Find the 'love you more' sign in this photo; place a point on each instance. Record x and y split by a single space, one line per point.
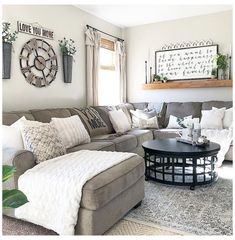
34 30
186 63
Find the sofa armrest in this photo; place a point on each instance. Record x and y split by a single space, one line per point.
21 159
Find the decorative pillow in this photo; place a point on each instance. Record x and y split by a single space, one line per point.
42 139
228 117
144 119
120 121
92 120
123 107
178 122
11 135
148 123
212 119
71 131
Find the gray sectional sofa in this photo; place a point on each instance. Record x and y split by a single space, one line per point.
111 194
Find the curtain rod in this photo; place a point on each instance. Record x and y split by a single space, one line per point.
120 39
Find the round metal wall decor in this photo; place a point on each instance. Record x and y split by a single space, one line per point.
38 62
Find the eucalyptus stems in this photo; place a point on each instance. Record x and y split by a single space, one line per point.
7 35
67 47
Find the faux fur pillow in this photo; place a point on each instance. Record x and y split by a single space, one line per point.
41 139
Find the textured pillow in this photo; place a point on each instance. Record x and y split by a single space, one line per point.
92 120
212 119
177 122
144 119
71 131
228 117
120 121
11 135
42 139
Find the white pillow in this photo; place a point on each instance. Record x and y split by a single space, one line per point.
228 117
143 119
178 122
11 135
71 131
148 123
119 121
212 119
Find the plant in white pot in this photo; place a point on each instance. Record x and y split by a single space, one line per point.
8 38
67 49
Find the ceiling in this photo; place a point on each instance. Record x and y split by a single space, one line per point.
133 15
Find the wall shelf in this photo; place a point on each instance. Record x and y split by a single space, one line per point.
202 83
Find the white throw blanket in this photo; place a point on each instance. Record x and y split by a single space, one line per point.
54 187
223 137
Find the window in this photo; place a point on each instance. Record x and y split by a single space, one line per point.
109 85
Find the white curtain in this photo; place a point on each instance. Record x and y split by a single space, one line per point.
92 66
121 69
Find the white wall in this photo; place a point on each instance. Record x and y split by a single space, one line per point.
143 41
66 21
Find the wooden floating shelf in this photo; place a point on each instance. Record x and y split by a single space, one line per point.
202 83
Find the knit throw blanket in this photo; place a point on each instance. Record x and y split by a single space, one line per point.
54 187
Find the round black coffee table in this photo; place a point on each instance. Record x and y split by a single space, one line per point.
172 162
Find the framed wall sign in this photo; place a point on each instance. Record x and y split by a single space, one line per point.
35 30
186 63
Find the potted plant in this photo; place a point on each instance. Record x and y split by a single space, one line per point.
7 39
222 64
68 50
11 198
213 73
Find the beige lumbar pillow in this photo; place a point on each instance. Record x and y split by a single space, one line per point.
71 131
41 139
119 121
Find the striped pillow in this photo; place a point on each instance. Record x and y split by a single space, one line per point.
71 131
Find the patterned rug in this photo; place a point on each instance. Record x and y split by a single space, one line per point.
205 211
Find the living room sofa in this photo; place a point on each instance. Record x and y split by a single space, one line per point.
123 183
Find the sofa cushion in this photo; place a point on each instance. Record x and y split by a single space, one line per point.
166 133
182 110
101 189
104 113
103 146
123 143
92 120
218 104
45 115
9 118
141 135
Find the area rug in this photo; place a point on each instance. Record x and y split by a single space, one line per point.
205 211
17 227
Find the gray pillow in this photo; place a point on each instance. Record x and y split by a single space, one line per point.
42 139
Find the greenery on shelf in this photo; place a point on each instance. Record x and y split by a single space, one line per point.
7 35
214 72
67 47
161 78
11 198
222 61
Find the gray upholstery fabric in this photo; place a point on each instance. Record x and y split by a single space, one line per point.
142 135
9 118
103 146
182 110
97 222
21 159
218 104
141 105
166 133
107 185
123 143
45 115
104 113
